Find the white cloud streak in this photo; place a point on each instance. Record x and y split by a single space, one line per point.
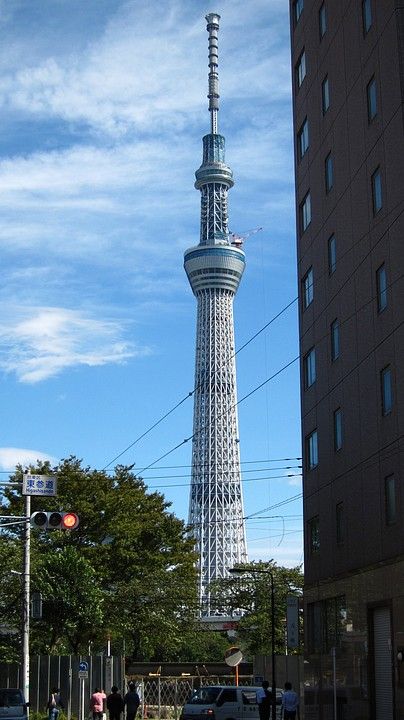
38 343
12 456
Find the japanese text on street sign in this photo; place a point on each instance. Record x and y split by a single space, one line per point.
39 485
292 618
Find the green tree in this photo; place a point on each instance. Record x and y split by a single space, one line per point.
10 598
248 594
127 571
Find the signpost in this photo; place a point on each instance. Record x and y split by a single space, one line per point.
292 621
83 676
233 657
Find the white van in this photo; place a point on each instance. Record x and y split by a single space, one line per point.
225 702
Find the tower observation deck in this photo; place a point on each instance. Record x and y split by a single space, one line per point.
214 268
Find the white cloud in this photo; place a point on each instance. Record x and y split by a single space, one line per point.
38 343
11 456
135 75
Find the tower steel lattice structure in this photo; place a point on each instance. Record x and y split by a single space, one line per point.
214 269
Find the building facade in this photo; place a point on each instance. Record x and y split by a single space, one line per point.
214 268
348 91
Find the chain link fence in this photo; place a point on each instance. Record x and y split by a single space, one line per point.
162 698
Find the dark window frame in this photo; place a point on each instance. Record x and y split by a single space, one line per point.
312 450
377 191
381 288
305 212
329 173
303 139
390 499
337 429
298 7
386 384
367 16
309 368
300 69
325 95
322 20
308 288
332 254
371 98
339 523
335 340
313 527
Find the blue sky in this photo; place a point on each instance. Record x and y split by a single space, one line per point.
103 107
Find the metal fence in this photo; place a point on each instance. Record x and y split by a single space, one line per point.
62 671
161 697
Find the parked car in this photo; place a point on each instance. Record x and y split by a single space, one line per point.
12 704
225 702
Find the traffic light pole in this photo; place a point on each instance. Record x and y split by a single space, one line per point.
26 600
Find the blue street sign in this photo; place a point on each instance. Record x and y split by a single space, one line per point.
83 666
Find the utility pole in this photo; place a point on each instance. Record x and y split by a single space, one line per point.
26 599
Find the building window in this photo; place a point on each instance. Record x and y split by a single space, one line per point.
339 523
329 173
308 288
338 429
332 254
303 139
390 499
312 450
322 21
377 191
326 624
300 69
314 534
309 368
371 95
305 212
366 15
325 94
381 288
335 344
298 6
387 390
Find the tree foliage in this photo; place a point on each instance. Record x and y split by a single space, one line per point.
248 594
128 570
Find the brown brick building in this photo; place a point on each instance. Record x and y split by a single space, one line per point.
348 88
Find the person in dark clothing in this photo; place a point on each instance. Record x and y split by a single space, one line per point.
55 704
264 701
131 702
115 704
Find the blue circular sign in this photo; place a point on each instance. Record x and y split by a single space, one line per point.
83 665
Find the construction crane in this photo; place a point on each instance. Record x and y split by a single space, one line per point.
238 239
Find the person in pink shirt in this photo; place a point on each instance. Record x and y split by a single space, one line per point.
97 703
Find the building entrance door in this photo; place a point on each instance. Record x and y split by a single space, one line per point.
382 664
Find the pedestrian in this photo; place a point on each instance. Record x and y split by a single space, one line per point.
97 703
290 703
55 704
115 704
131 701
264 701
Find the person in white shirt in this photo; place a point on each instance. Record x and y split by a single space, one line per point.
290 703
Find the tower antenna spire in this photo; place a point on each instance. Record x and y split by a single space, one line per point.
213 79
214 269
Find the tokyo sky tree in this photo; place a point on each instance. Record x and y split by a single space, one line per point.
214 269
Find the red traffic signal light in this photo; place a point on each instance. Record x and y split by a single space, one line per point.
70 521
54 520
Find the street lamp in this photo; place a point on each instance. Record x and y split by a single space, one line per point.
252 571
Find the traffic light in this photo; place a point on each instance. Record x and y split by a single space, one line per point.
54 520
36 605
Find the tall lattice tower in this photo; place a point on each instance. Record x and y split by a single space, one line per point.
214 269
